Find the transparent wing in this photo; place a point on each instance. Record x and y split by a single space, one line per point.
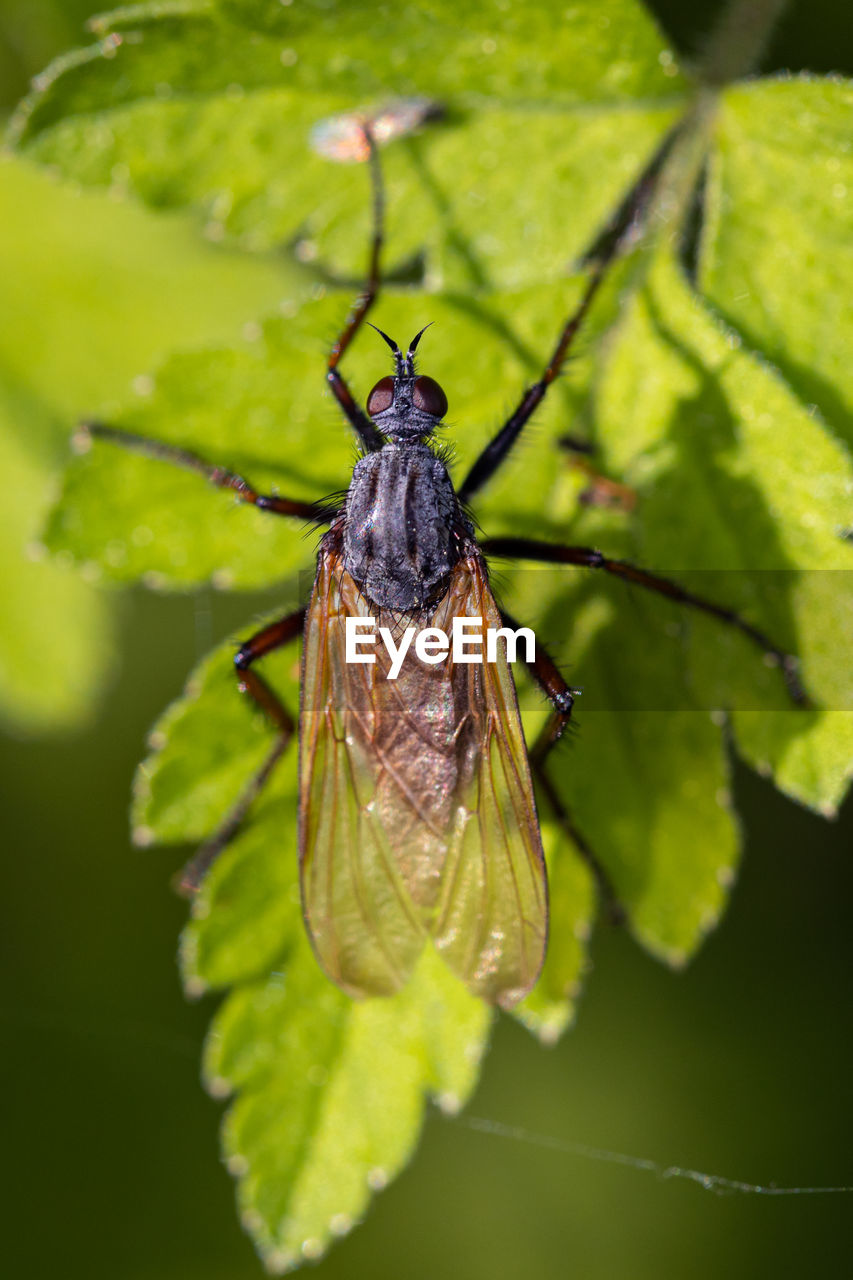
417 815
491 918
360 915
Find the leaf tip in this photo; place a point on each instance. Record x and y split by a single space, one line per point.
676 957
550 1032
341 1224
548 1024
725 876
311 1248
195 986
377 1178
278 1261
217 1086
237 1165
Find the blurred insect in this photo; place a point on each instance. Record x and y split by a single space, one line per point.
417 816
345 137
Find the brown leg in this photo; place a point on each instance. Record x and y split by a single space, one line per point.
219 476
621 232
265 641
589 558
364 428
547 675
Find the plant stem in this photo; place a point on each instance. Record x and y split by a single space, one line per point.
738 40
734 48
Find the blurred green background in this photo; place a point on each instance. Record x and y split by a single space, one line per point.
737 1066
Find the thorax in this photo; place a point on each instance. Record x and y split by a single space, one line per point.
402 526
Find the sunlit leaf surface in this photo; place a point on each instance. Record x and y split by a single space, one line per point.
212 109
331 1092
82 320
788 293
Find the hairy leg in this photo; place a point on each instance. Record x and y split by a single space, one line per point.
219 476
590 558
362 425
562 697
621 232
251 682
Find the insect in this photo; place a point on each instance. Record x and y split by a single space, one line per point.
345 137
417 813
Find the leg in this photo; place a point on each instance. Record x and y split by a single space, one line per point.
270 638
615 910
364 428
219 476
588 557
621 231
497 449
547 675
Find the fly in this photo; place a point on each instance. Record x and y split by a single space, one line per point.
417 815
417 818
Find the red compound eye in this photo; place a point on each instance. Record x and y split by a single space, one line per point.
428 396
381 397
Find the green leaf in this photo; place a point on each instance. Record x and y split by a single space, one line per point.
723 436
644 774
84 318
331 1093
247 914
262 409
206 747
214 111
552 1004
50 668
809 757
670 844
786 286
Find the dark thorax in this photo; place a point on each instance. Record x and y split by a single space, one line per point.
403 526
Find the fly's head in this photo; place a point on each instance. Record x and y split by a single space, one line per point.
406 407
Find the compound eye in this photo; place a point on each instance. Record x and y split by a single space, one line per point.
381 397
428 396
